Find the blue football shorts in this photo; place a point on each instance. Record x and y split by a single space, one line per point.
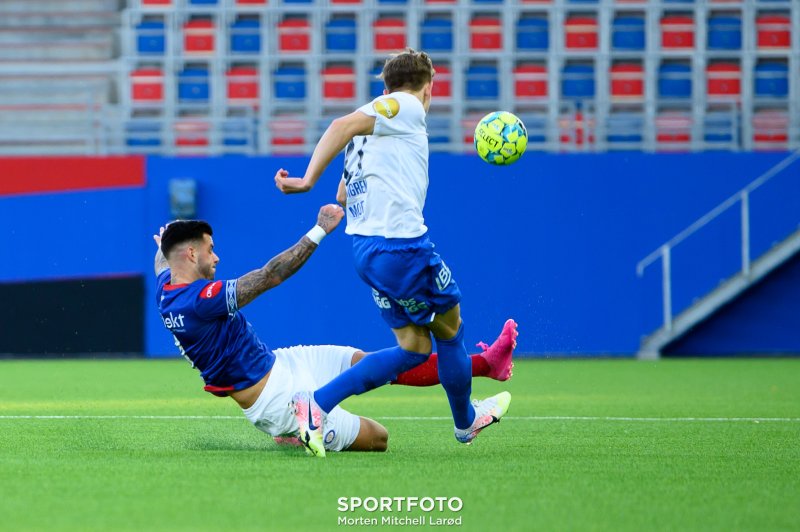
410 282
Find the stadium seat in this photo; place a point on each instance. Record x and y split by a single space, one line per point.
677 32
338 83
290 83
150 37
724 80
675 81
624 131
533 34
575 129
288 133
376 85
346 1
485 33
193 85
238 135
203 2
191 133
242 85
482 82
198 37
773 32
438 129
442 85
530 81
390 34
436 35
156 3
147 85
673 131
251 2
772 79
627 33
719 130
340 35
770 130
577 81
724 33
580 33
627 82
143 135
245 36
294 35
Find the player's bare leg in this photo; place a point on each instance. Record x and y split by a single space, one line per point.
372 436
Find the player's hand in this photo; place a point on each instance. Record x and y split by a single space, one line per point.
290 185
157 237
329 217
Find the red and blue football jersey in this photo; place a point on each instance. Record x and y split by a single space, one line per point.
212 334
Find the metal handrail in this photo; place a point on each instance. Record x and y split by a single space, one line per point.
664 250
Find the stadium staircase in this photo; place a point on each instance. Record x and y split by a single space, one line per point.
751 272
57 75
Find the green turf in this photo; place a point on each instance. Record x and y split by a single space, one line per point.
525 474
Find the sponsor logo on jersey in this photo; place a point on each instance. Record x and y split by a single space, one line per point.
211 290
172 321
387 107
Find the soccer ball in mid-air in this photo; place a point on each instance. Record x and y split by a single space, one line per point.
500 138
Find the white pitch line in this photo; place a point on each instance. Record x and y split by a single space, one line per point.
443 418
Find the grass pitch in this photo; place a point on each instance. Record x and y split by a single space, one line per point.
587 445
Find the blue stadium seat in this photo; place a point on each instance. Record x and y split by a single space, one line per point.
290 83
772 80
237 132
376 86
577 81
203 2
724 33
437 35
246 36
532 34
340 35
675 81
193 86
624 131
150 37
482 82
143 134
628 33
718 127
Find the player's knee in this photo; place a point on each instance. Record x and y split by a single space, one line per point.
380 440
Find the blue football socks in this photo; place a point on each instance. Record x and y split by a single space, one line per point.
455 374
372 371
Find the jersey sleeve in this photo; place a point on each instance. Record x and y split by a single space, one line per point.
395 115
216 299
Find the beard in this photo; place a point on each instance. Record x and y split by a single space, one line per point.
207 271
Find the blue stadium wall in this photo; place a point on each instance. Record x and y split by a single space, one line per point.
552 241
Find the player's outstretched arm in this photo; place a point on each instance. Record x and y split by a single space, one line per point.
161 263
339 133
285 264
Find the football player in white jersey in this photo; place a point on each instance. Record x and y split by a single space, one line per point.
383 188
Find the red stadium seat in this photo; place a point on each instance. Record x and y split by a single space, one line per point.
774 32
243 86
485 33
288 134
251 2
442 83
627 82
294 35
580 33
147 85
390 34
677 31
346 1
198 37
156 3
673 131
770 130
724 80
192 133
530 81
338 83
576 129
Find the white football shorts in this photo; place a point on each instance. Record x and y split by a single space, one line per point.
298 368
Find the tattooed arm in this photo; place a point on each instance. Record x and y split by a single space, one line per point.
285 264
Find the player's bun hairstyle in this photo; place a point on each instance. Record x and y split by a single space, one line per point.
181 231
407 70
